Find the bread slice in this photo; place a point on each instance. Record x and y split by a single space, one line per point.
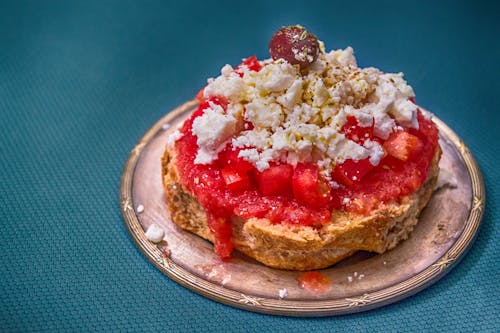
296 247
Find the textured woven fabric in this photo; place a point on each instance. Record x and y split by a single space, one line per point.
81 81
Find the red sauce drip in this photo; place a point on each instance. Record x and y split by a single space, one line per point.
314 282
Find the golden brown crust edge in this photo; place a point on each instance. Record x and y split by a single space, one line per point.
295 247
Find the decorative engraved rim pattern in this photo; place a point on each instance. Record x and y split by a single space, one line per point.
160 258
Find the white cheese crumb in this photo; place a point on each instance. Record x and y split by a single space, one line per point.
292 96
344 57
212 130
165 126
376 151
229 85
349 279
405 113
263 114
276 77
283 293
155 233
139 209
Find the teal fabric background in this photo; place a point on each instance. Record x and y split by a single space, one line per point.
82 81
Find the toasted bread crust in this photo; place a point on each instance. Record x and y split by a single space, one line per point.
297 247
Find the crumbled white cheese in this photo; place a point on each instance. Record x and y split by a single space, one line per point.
298 116
256 138
155 233
263 114
213 129
341 149
320 93
393 99
405 113
139 209
344 57
229 85
401 84
276 77
376 151
292 95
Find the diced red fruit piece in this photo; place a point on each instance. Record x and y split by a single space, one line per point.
351 171
251 63
294 44
353 131
276 180
236 181
230 158
403 145
309 188
314 281
222 230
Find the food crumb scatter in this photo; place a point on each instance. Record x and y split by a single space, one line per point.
155 233
140 209
283 293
